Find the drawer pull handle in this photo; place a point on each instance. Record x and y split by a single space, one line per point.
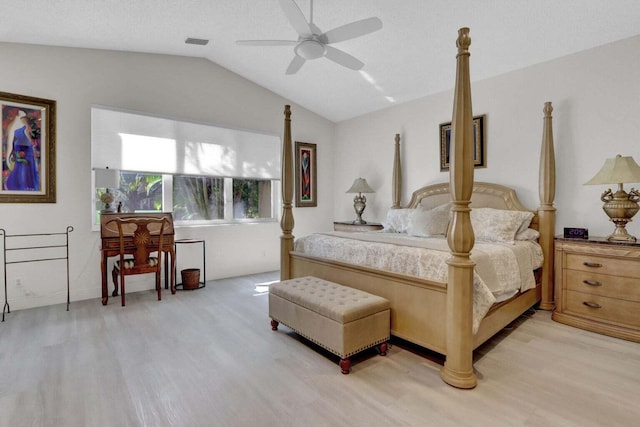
592 264
592 282
592 304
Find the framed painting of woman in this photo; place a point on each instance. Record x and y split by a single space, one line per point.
28 149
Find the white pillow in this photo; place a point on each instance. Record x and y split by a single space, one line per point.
397 220
429 223
528 234
498 225
525 225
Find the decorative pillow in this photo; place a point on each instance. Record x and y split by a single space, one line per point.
397 220
525 225
429 223
497 225
528 234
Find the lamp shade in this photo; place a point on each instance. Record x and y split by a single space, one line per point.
360 186
617 170
107 178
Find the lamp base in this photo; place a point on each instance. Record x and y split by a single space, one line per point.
620 234
359 203
626 239
620 207
108 208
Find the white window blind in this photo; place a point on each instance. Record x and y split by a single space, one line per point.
138 142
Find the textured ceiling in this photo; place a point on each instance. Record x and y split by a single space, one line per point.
411 57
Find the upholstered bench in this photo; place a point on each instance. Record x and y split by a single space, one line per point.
340 319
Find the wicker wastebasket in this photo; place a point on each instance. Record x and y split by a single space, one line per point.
190 278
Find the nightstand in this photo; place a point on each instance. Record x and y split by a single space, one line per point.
598 286
351 227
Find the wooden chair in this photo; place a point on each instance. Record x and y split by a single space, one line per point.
148 236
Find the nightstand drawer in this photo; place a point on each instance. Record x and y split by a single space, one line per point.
603 265
624 288
608 309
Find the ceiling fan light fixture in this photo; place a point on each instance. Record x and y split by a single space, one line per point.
313 43
310 49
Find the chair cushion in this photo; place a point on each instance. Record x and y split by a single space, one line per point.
130 263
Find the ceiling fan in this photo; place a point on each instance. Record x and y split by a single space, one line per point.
312 43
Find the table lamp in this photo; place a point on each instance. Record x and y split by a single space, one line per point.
107 178
360 186
619 206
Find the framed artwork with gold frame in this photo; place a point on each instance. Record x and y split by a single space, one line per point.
28 149
479 152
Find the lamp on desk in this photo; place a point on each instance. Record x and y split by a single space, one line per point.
360 186
107 178
619 206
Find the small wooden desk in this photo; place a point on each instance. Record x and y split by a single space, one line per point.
111 245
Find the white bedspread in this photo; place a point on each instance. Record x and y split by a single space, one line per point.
502 269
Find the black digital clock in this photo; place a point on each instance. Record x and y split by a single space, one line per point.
576 233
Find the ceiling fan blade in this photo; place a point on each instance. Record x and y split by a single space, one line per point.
296 17
266 42
352 30
295 64
343 58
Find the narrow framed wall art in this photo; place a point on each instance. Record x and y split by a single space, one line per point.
306 175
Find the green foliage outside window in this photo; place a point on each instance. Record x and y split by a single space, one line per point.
195 198
140 192
198 198
246 198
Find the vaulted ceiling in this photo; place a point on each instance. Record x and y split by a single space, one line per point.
412 56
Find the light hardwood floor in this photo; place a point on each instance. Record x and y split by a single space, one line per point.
209 358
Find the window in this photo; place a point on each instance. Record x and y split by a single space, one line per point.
198 198
203 174
140 192
251 199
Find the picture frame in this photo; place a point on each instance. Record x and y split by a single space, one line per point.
306 175
479 154
28 144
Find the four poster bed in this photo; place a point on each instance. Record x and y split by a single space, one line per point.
439 314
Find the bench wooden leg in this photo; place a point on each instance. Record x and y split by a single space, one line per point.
274 325
382 349
345 365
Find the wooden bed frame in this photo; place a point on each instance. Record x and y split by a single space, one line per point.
436 315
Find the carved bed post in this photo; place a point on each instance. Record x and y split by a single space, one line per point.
396 188
458 367
286 222
546 211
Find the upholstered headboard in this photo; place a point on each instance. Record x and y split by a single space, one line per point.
485 195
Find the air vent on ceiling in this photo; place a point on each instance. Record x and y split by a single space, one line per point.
200 42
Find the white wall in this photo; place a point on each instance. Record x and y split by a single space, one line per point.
596 100
177 87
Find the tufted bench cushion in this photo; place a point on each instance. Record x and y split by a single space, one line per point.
340 319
